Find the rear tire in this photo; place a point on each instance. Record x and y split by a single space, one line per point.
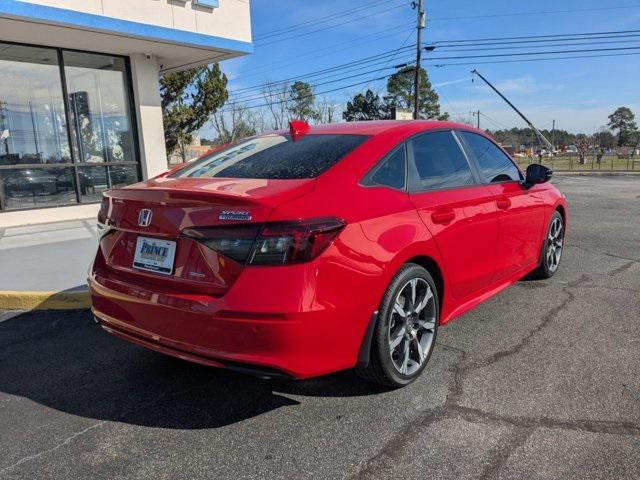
552 248
405 330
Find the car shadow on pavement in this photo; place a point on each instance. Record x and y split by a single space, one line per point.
64 361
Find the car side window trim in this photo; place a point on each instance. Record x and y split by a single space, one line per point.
472 164
368 182
472 158
414 184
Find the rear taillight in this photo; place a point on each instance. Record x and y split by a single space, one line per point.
278 243
104 210
235 241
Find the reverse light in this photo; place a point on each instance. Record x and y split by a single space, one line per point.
277 243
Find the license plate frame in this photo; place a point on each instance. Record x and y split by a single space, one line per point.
154 255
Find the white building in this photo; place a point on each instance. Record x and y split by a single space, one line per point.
79 93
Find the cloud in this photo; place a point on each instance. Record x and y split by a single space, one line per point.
520 85
576 119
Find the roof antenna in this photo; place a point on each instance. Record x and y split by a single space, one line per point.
298 128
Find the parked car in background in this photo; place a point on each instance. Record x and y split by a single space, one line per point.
30 182
322 248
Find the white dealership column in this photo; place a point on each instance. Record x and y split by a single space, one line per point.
145 73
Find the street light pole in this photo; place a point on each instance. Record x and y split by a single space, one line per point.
416 82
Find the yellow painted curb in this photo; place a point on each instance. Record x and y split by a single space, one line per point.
10 300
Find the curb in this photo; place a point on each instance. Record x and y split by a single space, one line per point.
12 300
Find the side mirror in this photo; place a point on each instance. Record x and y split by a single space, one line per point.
537 173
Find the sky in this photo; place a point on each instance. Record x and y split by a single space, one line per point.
578 94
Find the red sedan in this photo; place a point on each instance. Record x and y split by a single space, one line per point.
323 248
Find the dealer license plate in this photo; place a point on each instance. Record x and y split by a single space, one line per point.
154 255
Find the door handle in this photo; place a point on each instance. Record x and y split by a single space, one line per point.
503 203
443 216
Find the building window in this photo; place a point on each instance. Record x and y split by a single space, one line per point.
52 154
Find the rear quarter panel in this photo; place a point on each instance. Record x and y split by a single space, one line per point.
383 232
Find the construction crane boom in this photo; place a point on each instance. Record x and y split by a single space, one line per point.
538 133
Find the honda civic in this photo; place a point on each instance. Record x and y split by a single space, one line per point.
321 248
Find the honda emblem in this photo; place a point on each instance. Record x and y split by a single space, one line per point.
144 217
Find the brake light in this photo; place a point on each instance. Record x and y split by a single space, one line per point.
278 243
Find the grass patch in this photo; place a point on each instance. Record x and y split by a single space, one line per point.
571 164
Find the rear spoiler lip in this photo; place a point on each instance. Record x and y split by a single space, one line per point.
163 195
149 193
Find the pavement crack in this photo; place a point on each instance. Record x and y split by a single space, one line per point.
524 426
608 287
606 254
122 416
526 340
393 448
64 442
458 370
612 427
501 457
622 268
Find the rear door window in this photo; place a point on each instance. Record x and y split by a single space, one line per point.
493 164
391 172
439 162
275 157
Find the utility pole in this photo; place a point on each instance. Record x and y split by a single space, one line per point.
538 133
478 114
553 136
416 82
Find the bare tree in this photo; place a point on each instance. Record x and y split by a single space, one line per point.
326 111
276 97
236 121
582 144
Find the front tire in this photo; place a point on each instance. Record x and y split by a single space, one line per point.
406 329
552 249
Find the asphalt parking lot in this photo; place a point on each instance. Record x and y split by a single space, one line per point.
542 381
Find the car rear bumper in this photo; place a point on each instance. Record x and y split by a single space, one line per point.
117 329
229 332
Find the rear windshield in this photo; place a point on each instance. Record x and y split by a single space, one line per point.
275 157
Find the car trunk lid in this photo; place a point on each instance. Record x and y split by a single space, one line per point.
177 204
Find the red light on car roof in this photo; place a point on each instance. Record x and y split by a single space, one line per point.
298 128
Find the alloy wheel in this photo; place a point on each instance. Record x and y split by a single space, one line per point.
555 241
412 326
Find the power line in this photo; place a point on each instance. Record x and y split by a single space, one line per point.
348 12
316 21
365 39
341 79
433 59
474 63
525 37
517 54
279 102
515 47
495 41
495 122
311 32
522 60
402 45
372 58
444 65
544 12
